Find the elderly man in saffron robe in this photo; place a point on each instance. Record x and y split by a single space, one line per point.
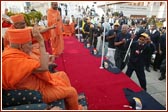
19 23
21 71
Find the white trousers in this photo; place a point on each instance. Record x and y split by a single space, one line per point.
110 55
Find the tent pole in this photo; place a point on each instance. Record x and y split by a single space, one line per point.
101 66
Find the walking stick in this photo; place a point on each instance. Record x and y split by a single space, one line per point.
93 39
129 47
128 50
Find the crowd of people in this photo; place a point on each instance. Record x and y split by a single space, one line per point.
26 58
118 32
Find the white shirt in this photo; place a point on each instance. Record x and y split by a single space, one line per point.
43 23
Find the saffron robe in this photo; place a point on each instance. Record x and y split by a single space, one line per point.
57 43
17 73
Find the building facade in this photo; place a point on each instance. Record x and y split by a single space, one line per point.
148 9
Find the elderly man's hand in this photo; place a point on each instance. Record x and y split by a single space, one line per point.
36 34
53 26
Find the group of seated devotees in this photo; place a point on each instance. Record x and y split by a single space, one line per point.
21 70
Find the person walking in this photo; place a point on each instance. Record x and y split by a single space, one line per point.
139 51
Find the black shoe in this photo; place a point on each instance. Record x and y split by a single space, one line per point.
155 69
147 69
161 78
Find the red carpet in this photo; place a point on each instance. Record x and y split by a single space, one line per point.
103 89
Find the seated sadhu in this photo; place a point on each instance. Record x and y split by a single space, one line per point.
67 28
20 71
19 23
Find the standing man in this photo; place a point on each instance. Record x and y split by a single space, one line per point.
162 51
120 42
155 37
53 17
111 37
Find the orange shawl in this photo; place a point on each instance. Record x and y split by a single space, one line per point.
20 69
17 70
21 65
57 43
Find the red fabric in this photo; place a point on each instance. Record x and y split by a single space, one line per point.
103 89
6 24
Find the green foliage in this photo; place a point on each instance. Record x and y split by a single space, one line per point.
10 14
116 13
35 16
27 19
152 21
30 18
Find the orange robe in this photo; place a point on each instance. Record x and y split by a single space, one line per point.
73 27
35 50
17 73
46 35
57 43
6 37
67 29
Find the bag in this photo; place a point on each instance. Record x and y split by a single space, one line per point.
147 101
110 67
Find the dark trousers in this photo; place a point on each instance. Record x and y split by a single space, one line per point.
148 61
139 69
119 57
93 41
157 61
163 68
85 36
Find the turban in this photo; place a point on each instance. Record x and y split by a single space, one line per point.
19 36
17 18
144 35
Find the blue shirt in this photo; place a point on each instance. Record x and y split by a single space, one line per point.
120 37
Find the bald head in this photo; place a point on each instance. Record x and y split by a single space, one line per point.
54 5
124 28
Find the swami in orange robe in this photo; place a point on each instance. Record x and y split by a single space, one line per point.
19 23
73 26
67 28
53 17
18 71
